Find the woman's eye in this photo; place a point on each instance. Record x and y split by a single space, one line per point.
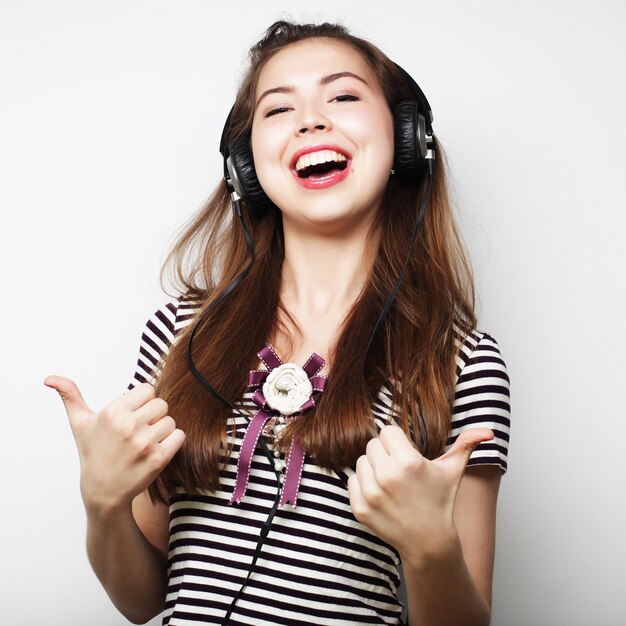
276 111
346 97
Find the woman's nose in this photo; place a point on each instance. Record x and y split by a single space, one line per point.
312 121
308 127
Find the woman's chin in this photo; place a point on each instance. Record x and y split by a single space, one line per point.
327 221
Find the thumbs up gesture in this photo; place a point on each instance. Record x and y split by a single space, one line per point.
406 499
123 448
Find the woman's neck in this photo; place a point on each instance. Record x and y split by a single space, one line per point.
322 273
322 277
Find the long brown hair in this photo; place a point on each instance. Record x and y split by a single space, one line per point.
415 346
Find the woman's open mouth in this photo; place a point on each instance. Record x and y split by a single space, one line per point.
320 168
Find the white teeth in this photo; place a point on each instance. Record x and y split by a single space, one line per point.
321 156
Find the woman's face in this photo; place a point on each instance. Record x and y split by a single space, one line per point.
322 135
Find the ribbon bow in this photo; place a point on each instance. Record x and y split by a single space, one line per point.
295 456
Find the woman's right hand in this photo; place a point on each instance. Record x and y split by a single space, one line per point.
123 448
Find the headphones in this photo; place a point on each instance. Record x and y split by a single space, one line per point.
413 150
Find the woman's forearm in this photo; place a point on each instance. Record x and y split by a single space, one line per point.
441 592
132 571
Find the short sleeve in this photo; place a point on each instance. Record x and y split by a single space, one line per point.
156 339
482 399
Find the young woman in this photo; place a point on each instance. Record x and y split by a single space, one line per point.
322 407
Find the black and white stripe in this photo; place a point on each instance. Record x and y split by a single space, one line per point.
318 565
481 398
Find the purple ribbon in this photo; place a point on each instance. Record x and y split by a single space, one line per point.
295 456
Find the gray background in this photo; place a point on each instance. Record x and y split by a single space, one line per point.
110 115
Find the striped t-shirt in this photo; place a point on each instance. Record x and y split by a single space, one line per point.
317 564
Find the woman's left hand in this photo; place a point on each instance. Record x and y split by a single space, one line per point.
406 499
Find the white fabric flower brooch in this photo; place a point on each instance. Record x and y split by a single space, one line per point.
281 390
287 388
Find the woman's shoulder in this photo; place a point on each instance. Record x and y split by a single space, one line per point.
159 333
187 305
173 315
476 347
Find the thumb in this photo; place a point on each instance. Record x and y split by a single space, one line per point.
458 455
75 406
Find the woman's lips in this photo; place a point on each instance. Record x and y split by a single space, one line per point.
333 177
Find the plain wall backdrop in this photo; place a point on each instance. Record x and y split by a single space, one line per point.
110 117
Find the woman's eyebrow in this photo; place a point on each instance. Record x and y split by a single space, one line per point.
325 80
331 77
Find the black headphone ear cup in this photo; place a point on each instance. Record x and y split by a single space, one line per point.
243 165
408 160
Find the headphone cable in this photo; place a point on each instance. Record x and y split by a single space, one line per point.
205 383
418 222
227 291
